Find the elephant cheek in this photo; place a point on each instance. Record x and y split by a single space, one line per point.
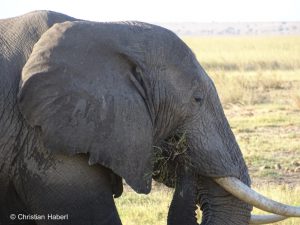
215 154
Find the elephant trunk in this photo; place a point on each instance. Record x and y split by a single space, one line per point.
183 205
219 207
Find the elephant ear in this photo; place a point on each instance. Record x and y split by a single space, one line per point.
81 88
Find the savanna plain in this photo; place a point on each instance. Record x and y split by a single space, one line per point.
258 81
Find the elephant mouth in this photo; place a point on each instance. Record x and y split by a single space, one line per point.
241 191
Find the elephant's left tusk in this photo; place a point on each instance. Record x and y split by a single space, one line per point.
238 189
265 219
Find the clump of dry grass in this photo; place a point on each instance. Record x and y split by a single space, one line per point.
168 156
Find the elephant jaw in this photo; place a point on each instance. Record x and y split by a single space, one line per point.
238 189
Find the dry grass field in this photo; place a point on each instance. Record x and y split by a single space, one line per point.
258 81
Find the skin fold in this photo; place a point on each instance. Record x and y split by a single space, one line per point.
84 107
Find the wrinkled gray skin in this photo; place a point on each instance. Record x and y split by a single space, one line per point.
96 94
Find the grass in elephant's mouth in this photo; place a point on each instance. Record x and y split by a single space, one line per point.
168 155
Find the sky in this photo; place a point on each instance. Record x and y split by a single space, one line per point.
162 10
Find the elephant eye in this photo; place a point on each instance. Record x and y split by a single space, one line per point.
198 100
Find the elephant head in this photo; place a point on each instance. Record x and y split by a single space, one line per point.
115 90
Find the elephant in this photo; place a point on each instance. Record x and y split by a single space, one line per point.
82 105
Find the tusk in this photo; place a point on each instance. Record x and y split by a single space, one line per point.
265 219
246 194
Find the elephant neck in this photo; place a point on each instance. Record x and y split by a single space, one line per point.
12 125
18 36
13 133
